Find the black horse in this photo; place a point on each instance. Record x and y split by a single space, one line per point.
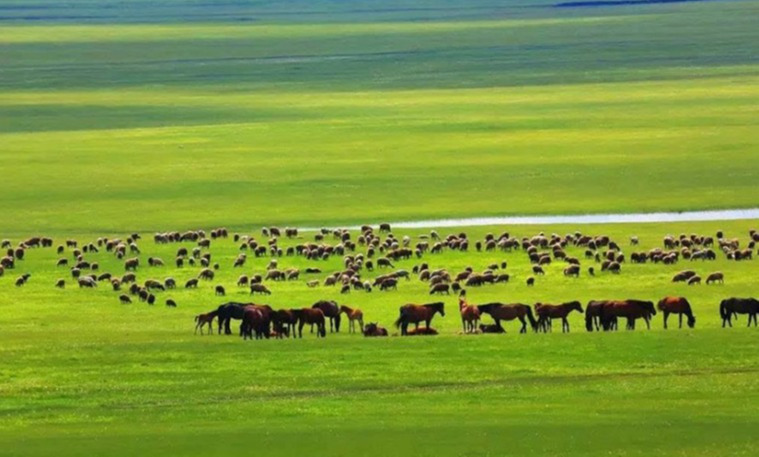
730 306
227 312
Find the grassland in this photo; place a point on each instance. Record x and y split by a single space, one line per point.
147 116
84 374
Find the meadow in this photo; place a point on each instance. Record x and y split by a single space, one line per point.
85 374
118 117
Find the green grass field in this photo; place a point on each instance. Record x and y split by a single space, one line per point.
142 116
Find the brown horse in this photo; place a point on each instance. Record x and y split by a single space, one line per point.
502 312
202 320
331 311
284 321
547 313
414 314
373 329
353 316
254 320
629 309
679 306
311 316
730 306
470 315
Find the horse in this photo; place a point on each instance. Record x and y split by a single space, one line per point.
284 321
414 314
733 305
311 316
373 329
503 312
679 306
331 311
353 316
202 320
629 309
593 315
470 315
546 313
254 320
228 311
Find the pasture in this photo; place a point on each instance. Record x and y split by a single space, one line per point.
120 117
83 373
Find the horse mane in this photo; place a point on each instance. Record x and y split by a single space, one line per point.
438 304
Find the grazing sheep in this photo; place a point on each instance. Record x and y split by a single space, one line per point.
60 284
171 303
260 289
694 280
715 277
87 282
313 283
538 270
191 284
530 281
124 299
219 291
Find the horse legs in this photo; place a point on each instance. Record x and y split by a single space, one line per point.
681 320
564 324
666 315
648 322
361 324
301 324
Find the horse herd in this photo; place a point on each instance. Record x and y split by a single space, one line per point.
262 321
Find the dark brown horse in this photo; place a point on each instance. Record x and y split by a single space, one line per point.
311 316
331 311
679 306
593 315
547 313
253 320
414 314
503 312
629 309
373 329
730 306
284 321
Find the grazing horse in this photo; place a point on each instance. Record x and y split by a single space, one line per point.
470 315
546 313
353 316
284 321
679 306
202 320
502 312
414 314
331 311
227 312
730 306
254 320
629 309
373 329
311 316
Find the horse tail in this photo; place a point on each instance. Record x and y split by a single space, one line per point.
723 311
531 318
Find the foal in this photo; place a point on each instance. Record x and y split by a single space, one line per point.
353 316
205 319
